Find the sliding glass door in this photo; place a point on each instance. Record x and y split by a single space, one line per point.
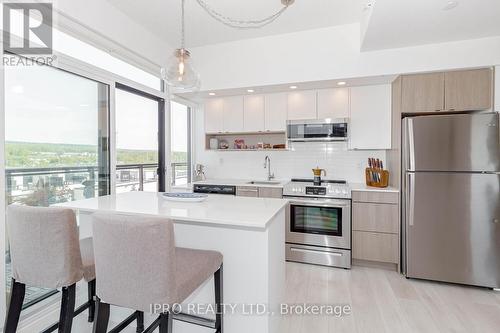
139 141
56 141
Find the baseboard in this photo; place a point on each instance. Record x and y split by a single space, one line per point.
375 264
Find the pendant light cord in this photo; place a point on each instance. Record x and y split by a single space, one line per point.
183 31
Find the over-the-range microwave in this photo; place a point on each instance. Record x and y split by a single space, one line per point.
317 130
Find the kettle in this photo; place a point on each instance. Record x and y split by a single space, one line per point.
317 175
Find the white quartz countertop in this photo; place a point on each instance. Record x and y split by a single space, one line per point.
365 188
223 210
276 183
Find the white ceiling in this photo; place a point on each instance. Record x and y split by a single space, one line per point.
400 23
162 17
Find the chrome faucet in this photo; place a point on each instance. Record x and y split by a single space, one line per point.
267 165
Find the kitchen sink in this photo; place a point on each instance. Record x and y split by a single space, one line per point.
264 182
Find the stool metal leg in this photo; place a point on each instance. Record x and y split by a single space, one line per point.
140 322
15 306
166 322
218 300
91 300
102 319
67 309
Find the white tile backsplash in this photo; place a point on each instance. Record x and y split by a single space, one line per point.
335 158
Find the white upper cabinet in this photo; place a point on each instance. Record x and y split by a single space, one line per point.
214 109
233 114
276 112
497 88
370 117
302 105
333 103
253 114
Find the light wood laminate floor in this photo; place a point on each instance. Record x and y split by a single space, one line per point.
381 301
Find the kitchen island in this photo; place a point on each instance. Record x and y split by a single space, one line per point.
249 232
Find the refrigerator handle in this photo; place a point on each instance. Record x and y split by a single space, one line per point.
411 146
410 198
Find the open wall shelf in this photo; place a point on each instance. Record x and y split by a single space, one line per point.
251 141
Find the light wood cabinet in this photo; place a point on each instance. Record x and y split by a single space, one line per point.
247 191
374 246
375 217
253 113
270 192
497 88
302 105
333 103
275 112
233 114
423 93
468 90
214 109
375 226
370 117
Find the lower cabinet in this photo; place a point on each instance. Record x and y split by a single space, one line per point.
259 192
375 226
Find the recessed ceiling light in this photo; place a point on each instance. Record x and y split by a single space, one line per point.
211 94
450 5
293 87
250 90
341 83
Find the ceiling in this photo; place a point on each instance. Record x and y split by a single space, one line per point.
401 23
162 17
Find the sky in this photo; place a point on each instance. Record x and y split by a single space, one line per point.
52 106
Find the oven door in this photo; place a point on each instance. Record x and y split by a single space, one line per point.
319 222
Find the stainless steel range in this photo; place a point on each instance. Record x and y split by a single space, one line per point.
318 222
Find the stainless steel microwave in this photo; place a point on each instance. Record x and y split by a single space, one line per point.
317 130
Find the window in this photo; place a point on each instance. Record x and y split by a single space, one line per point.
180 140
56 140
137 142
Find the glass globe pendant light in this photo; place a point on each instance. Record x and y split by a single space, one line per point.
180 74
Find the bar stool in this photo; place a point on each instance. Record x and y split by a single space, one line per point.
46 252
139 266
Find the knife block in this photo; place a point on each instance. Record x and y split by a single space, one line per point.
383 175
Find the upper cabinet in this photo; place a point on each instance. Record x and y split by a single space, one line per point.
497 88
451 91
275 112
468 90
233 114
423 93
253 113
302 105
333 103
370 117
214 114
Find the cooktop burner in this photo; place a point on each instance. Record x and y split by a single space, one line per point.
326 181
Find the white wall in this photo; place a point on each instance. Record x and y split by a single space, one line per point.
325 54
339 162
101 16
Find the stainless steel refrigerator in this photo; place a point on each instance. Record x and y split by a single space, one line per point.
451 200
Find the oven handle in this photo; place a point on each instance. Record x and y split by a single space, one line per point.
319 203
297 249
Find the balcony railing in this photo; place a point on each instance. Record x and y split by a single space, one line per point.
47 186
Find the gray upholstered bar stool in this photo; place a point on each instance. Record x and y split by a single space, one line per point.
139 266
46 252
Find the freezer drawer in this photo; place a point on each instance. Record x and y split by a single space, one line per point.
452 225
459 142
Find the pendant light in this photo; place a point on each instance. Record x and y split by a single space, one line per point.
180 74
